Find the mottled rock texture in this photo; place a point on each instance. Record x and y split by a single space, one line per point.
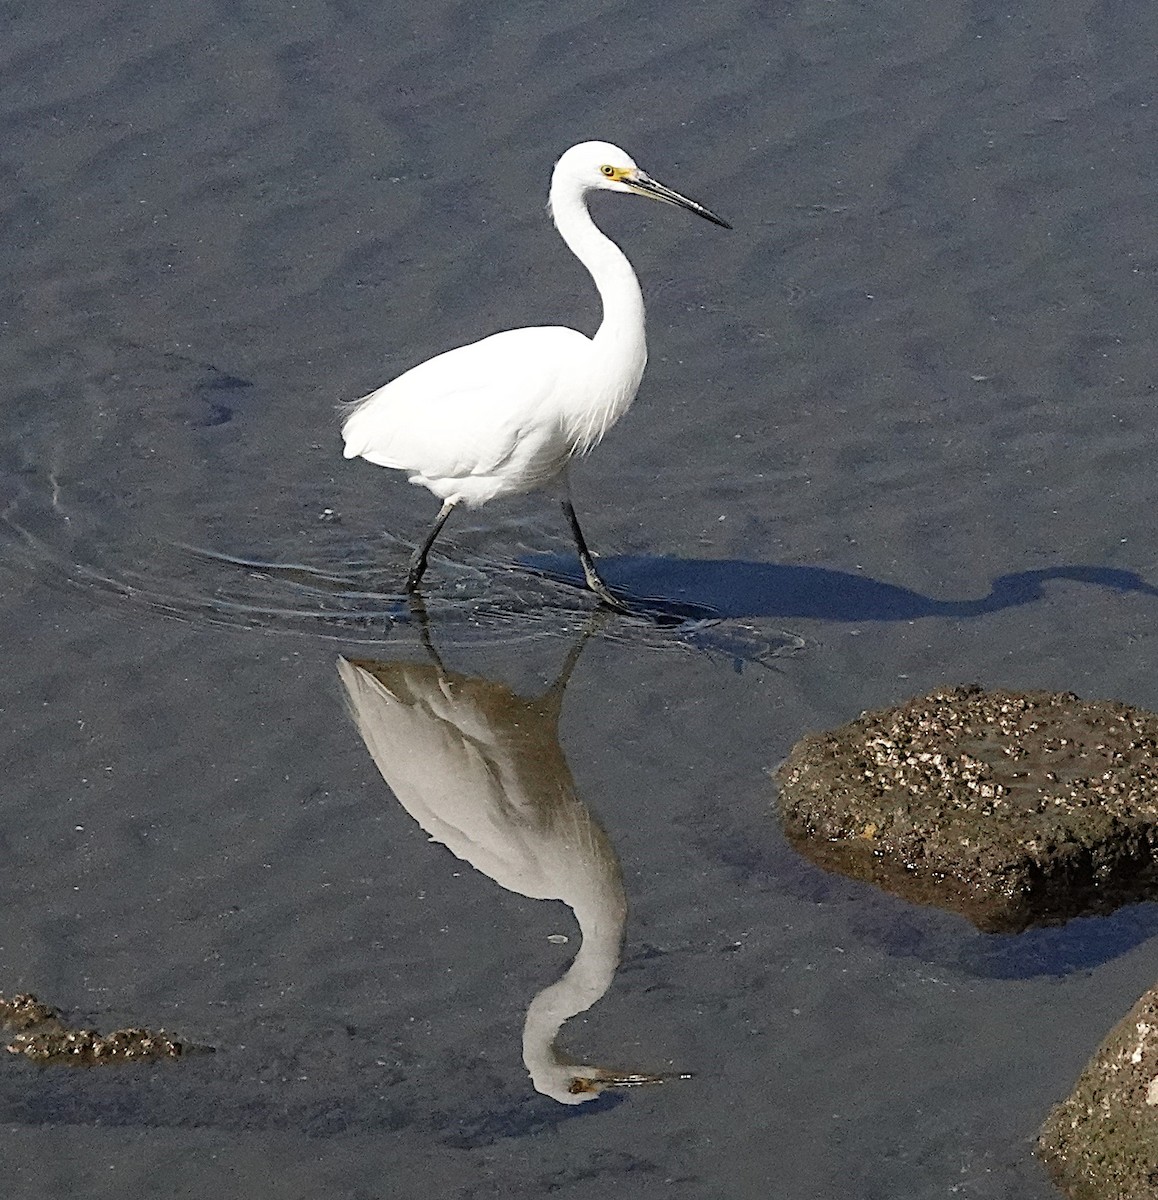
1101 1142
1013 808
50 1040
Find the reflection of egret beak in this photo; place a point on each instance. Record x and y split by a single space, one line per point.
600 1080
626 1081
644 185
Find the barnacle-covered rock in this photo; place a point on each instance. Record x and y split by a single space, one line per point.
1013 808
1102 1140
49 1039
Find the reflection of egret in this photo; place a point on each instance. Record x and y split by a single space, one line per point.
481 770
505 415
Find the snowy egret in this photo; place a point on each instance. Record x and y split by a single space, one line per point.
505 415
481 770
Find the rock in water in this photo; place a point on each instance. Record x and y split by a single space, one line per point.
1101 1142
1013 808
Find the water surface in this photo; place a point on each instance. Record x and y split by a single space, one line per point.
897 429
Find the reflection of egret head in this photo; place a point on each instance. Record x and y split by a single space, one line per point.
481 770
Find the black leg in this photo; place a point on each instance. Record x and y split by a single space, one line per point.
418 559
590 574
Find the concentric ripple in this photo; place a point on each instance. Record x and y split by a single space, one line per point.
147 479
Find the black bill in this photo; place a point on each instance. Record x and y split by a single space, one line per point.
646 186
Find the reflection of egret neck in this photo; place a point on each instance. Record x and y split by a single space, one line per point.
586 980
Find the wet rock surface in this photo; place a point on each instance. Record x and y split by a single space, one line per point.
1013 808
46 1038
1102 1140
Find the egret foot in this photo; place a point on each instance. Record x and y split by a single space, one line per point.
417 567
605 594
589 572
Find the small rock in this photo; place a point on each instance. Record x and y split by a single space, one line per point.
54 1041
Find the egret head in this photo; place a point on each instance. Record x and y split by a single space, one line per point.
592 166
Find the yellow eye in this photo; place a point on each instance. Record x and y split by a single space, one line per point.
608 170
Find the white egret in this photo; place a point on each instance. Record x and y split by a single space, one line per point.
506 414
481 770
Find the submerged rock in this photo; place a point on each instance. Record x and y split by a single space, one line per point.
1102 1140
54 1041
1013 808
88 1046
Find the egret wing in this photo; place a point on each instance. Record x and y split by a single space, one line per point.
465 412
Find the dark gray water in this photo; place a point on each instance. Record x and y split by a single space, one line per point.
898 428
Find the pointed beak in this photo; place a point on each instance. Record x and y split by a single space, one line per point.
646 186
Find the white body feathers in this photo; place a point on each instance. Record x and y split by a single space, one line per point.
504 415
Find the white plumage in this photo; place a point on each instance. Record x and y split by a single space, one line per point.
506 414
495 440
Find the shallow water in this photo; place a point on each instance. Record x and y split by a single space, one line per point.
897 430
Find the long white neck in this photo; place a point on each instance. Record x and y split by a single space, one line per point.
623 324
619 350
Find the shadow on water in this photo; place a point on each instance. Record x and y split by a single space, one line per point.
1080 945
721 607
735 589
